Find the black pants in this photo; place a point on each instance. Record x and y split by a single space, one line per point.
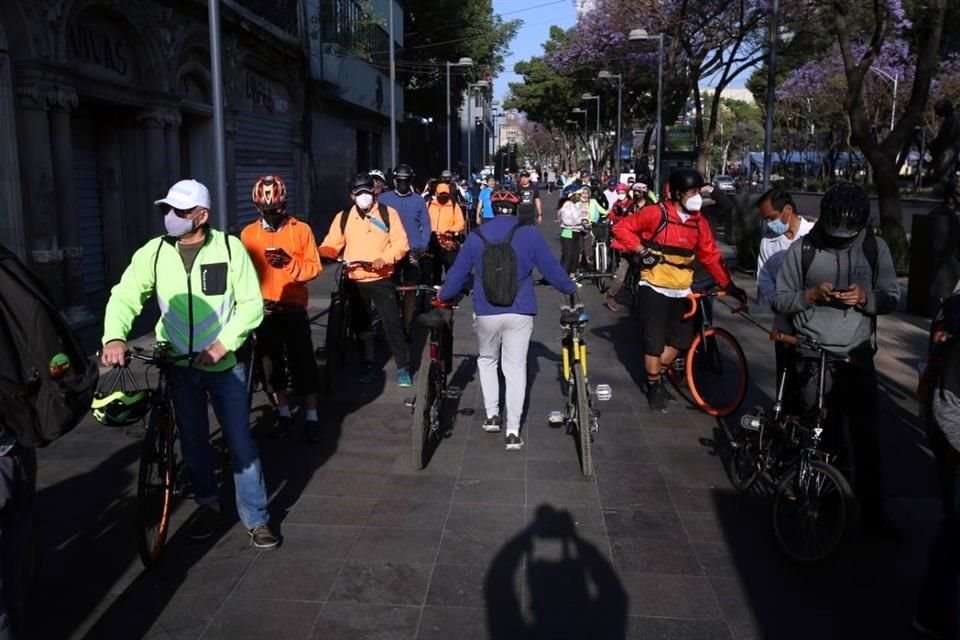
442 261
285 348
851 392
18 485
570 249
383 295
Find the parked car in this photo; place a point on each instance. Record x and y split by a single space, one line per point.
725 183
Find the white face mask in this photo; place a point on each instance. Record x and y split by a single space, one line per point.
621 196
694 203
176 226
365 201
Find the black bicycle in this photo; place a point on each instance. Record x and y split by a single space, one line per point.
814 508
159 480
431 387
332 356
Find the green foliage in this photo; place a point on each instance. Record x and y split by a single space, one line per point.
544 95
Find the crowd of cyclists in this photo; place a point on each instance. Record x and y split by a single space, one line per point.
826 282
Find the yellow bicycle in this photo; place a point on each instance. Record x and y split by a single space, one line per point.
579 413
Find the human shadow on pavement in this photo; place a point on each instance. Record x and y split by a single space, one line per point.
571 590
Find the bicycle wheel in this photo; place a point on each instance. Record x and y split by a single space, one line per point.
426 407
583 420
155 485
813 508
745 459
716 372
334 342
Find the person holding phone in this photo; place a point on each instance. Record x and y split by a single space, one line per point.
284 253
832 285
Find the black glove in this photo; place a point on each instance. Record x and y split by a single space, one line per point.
736 292
648 260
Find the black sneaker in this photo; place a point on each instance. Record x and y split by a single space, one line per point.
281 427
262 538
204 523
657 396
311 431
513 442
492 424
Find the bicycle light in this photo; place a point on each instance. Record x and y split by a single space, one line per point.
751 422
604 392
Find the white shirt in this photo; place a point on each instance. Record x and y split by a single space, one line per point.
611 197
773 249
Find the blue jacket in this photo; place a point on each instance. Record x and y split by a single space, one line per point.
532 251
413 213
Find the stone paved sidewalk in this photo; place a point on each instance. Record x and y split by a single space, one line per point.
484 541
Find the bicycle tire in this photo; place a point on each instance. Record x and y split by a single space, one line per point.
797 511
155 484
334 340
423 407
744 460
583 421
704 377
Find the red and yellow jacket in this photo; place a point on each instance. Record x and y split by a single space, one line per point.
676 243
287 285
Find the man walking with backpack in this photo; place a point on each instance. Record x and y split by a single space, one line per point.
832 285
210 301
502 255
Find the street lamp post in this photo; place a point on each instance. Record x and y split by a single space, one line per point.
596 149
471 127
641 34
619 77
771 94
463 62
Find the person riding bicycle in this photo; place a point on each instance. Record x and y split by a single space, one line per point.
412 210
447 224
374 233
210 301
284 254
833 285
503 332
668 237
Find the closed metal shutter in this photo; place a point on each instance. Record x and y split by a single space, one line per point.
264 147
88 205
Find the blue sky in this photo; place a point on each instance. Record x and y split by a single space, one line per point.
537 16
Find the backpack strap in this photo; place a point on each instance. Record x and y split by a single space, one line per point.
344 216
485 242
807 253
384 215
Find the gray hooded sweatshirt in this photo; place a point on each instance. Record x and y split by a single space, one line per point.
837 327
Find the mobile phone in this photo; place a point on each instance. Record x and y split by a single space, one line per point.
271 250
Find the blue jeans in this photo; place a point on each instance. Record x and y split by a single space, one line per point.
227 392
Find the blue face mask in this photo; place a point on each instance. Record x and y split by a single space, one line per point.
777 227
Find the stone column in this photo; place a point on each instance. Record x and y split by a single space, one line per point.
172 136
63 101
152 121
39 195
11 208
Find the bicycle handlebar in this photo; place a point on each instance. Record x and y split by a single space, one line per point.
138 353
695 297
591 275
806 343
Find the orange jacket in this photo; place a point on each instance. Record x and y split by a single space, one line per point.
288 284
364 240
446 217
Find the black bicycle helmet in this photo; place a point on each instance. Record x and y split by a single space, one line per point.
446 175
119 402
682 180
403 172
844 210
361 182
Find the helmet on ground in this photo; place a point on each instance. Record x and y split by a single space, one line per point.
120 408
361 182
504 202
269 193
403 172
844 210
682 180
376 174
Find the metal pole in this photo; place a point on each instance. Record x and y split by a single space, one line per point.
393 94
448 114
216 78
656 176
893 109
771 95
597 147
619 119
470 129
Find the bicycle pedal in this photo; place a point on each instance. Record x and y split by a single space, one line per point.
453 393
410 403
555 417
604 392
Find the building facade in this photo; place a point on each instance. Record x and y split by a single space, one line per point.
105 103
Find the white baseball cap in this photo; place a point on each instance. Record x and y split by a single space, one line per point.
187 194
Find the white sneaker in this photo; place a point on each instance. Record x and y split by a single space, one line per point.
513 442
492 424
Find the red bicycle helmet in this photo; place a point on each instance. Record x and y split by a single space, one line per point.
269 193
504 202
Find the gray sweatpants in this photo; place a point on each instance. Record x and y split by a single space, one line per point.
504 340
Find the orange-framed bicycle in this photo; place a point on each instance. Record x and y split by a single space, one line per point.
713 371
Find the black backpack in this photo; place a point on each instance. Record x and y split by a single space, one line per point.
500 282
42 397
